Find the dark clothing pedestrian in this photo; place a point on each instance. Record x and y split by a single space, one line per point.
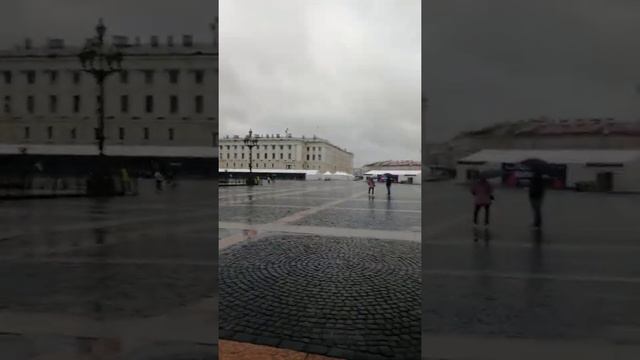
389 181
478 207
536 195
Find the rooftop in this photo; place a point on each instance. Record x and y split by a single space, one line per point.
556 127
555 156
389 163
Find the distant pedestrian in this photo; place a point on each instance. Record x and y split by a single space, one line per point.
536 195
483 195
372 186
389 181
159 179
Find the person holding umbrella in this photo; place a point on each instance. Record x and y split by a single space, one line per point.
389 180
536 188
482 192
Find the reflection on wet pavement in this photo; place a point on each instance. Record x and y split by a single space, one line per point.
132 278
576 279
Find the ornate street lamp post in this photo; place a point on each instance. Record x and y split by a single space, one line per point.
251 142
100 61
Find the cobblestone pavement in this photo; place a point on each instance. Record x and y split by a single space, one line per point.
346 296
575 281
128 271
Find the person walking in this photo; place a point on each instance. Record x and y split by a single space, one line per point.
389 181
159 179
372 186
536 195
482 192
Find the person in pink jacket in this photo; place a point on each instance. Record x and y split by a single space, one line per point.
483 195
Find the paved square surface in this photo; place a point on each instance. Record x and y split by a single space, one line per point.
575 281
340 276
117 277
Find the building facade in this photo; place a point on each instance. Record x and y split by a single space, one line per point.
166 96
543 133
286 153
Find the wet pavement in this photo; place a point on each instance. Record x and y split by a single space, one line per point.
337 274
577 280
110 277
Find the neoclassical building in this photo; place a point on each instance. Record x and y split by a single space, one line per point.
165 101
285 152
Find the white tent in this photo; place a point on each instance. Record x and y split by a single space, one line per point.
406 176
340 175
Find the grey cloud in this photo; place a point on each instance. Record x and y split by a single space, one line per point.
348 71
497 60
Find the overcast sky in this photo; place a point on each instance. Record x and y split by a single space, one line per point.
74 20
345 70
487 61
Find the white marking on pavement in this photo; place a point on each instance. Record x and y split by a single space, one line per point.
530 276
314 230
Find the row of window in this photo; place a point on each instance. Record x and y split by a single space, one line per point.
73 134
273 147
173 76
76 100
243 165
273 156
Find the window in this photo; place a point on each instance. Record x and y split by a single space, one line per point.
173 76
273 147
27 132
228 147
53 104
199 104
289 156
148 104
199 76
314 157
7 104
73 134
228 155
314 148
266 147
53 77
258 156
31 77
281 156
319 157
124 104
289 147
49 132
235 155
266 156
241 147
307 156
146 133
173 104
235 147
31 104
171 134
273 156
121 133
307 148
8 77
281 147
76 104
242 156
148 76
124 77
76 77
